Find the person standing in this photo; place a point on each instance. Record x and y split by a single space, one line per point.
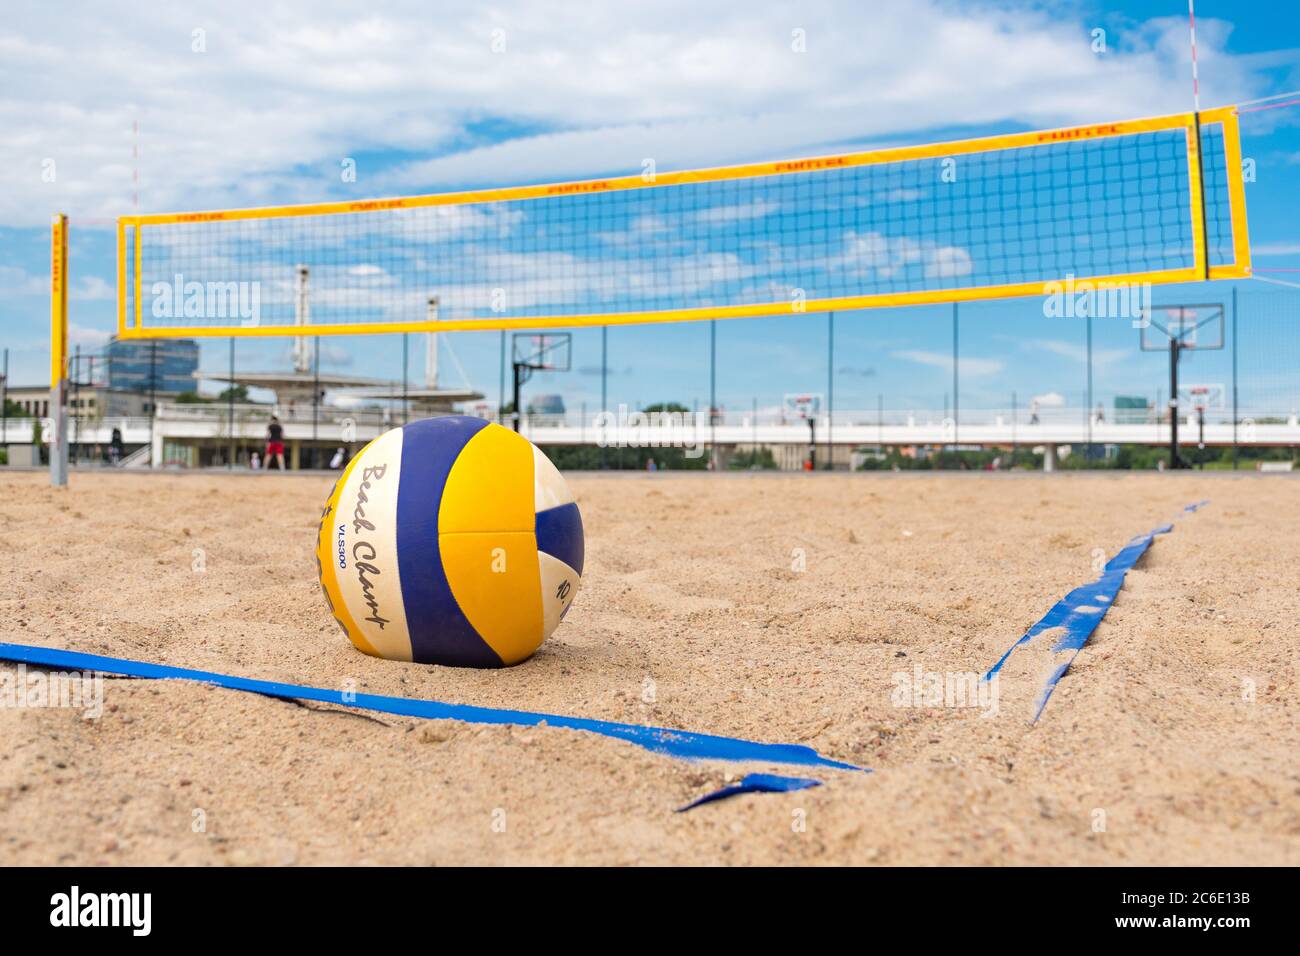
275 443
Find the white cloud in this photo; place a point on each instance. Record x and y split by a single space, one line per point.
943 360
87 289
885 256
91 338
1075 352
18 282
279 99
947 261
719 215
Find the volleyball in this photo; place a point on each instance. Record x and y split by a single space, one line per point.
450 541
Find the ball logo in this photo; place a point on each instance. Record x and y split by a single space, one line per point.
363 552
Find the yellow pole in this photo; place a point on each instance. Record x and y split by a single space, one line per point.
59 351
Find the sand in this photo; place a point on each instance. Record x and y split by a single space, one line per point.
778 607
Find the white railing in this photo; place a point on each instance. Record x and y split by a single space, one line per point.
142 457
1057 425
17 431
298 415
247 413
1022 417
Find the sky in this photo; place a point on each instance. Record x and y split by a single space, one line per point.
242 104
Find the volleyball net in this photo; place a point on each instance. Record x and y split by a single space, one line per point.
1146 201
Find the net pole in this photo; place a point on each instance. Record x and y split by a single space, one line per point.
604 383
431 346
713 393
501 378
4 402
59 351
153 398
1088 406
956 405
75 415
1203 238
1234 378
230 404
315 398
1173 402
1015 445
830 391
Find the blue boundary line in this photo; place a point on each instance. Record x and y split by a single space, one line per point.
675 743
1080 611
755 783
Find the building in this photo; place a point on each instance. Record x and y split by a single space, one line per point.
84 401
1132 410
546 405
166 366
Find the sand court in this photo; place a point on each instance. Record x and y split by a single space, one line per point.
783 608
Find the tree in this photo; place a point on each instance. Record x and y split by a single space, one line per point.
758 459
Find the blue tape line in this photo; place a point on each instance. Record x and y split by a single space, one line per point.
1080 611
675 743
755 783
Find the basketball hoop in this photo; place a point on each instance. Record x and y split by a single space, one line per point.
1203 397
802 405
532 352
1183 328
805 405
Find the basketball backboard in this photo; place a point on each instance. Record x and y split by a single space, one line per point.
1197 327
1203 397
544 352
801 405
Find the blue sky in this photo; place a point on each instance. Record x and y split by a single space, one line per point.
243 104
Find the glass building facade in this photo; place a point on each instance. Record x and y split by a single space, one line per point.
163 365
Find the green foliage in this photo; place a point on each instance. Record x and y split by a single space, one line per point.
760 459
1139 457
948 460
240 393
